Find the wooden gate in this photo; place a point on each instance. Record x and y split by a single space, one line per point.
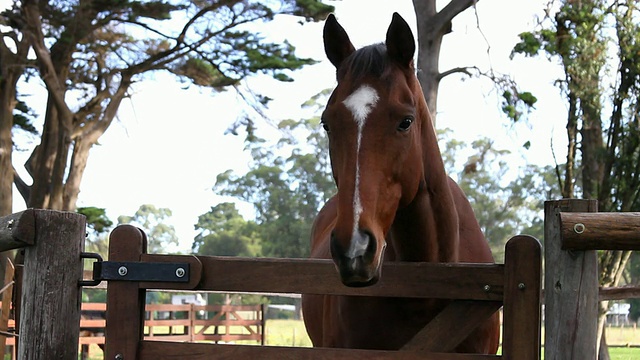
478 289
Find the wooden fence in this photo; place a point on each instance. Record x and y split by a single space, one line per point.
574 231
220 323
479 288
50 298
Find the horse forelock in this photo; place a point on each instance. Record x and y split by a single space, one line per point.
368 61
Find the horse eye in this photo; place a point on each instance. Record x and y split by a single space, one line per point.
325 126
405 124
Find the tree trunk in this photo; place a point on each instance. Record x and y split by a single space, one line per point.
429 42
603 349
12 62
7 103
79 157
432 27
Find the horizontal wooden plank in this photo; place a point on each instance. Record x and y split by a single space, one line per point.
619 293
313 276
600 231
87 340
94 306
17 230
168 337
86 323
167 307
172 322
233 322
226 308
159 350
227 337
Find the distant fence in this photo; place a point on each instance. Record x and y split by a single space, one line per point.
185 322
217 323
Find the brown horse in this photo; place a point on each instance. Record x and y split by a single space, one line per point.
394 201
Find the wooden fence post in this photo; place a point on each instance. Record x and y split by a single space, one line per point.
523 277
125 300
50 304
571 289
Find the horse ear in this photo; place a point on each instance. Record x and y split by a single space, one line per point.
401 45
337 45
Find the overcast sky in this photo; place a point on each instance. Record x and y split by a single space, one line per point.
168 143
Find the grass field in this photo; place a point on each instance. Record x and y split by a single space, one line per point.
292 333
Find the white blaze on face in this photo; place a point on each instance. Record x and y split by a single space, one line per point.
361 102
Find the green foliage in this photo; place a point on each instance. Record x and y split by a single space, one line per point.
503 208
515 104
287 183
152 221
223 231
23 117
97 219
597 43
92 52
99 226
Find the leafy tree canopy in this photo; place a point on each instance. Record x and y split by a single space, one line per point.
223 231
287 183
161 236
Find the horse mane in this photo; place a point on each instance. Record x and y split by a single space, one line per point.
370 60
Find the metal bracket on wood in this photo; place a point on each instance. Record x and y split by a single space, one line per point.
135 271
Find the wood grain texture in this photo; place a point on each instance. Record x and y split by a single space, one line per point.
571 289
125 300
600 231
50 304
313 276
17 230
452 325
159 350
522 299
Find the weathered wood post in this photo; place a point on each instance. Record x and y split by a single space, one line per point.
571 288
50 304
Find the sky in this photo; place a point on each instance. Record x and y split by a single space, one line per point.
169 143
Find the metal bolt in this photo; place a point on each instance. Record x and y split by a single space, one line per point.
122 271
10 224
486 288
180 272
579 228
119 357
521 286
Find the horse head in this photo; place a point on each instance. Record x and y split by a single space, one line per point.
376 119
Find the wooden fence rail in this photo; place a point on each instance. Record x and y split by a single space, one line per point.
516 284
184 323
53 268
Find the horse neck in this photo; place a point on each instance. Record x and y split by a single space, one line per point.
427 229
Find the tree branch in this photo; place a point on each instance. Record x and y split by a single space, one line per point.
23 188
464 70
47 69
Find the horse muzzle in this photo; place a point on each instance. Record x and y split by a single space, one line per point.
358 263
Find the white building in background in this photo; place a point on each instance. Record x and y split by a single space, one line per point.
618 314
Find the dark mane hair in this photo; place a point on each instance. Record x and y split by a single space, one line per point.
368 61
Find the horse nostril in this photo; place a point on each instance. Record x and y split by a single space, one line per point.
356 261
362 245
360 242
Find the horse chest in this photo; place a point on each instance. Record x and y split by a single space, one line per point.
379 323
